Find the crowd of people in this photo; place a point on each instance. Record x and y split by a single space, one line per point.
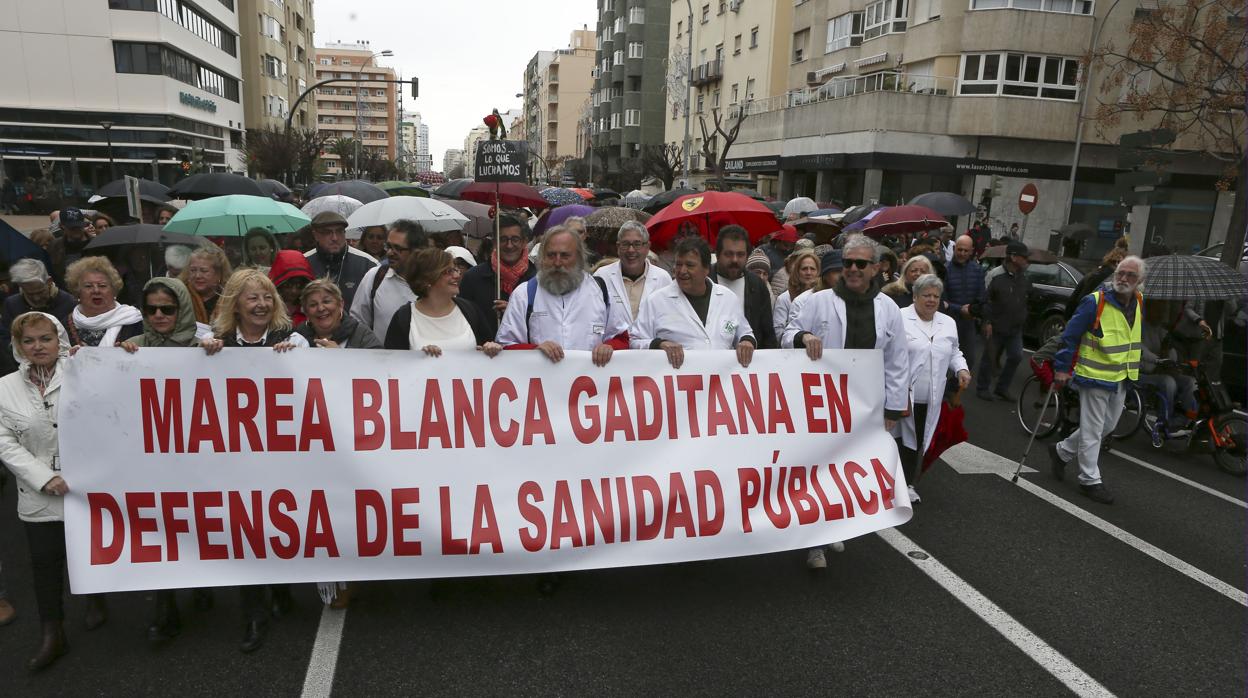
925 307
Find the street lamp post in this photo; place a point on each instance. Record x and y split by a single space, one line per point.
1083 104
359 118
108 138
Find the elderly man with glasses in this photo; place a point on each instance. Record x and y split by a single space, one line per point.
333 258
633 277
489 284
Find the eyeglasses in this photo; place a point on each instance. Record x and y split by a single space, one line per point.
511 240
857 263
632 245
1126 275
397 248
169 310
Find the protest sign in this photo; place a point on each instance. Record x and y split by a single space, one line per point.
254 467
501 161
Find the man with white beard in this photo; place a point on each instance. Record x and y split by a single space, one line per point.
563 308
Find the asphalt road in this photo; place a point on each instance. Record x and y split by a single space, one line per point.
1045 596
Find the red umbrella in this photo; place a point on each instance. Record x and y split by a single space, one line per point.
949 430
707 212
584 193
510 194
901 220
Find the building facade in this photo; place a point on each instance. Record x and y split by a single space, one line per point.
452 159
630 76
277 56
424 161
358 104
555 96
94 90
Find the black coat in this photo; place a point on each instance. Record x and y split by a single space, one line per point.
479 287
399 332
355 333
757 309
347 272
1006 305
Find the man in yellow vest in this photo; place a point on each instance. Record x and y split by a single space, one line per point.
1102 342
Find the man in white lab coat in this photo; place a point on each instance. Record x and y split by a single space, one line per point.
633 278
853 314
563 308
694 313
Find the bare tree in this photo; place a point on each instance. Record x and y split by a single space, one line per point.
716 155
1183 70
282 154
663 161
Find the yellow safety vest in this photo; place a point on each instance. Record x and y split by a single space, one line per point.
1115 355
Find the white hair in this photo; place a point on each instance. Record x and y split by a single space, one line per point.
636 227
861 241
925 282
1138 262
28 270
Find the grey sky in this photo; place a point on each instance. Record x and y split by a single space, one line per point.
470 55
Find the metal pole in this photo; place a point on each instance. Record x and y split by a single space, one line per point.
688 145
108 138
1083 104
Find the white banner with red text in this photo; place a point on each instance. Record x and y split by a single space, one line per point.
251 466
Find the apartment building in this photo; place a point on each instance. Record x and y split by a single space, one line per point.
94 90
740 53
414 137
358 104
424 160
277 55
451 159
558 87
630 74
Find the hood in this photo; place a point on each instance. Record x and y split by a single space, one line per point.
60 333
184 329
289 264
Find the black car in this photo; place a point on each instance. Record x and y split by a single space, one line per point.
1051 286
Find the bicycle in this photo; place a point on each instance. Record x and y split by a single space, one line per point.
1217 430
1062 412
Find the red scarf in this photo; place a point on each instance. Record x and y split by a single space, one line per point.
510 276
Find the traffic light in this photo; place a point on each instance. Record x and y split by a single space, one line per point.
415 88
996 186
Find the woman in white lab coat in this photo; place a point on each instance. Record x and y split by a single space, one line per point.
694 313
932 338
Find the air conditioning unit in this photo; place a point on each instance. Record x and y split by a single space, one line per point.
812 78
735 5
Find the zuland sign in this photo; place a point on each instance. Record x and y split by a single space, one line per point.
502 161
194 102
265 467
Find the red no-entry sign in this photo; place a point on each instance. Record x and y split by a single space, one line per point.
1027 198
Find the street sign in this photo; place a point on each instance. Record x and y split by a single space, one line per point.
501 161
133 204
1027 198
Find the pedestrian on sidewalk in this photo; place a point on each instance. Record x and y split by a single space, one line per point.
1101 347
1005 312
965 293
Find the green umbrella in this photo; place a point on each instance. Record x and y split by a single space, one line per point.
233 216
394 187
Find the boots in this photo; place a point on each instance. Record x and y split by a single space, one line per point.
51 647
97 612
253 636
168 622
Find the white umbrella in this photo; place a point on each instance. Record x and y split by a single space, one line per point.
432 215
342 205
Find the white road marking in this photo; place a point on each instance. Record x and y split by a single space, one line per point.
1049 659
319 681
1180 478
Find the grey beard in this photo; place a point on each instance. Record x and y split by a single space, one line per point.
1122 288
558 282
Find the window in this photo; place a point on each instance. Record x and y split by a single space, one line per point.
619 25
926 10
749 89
637 15
154 59
274 67
636 49
799 45
188 17
715 99
736 45
706 13
618 57
1019 75
344 61
679 27
632 117
701 102
379 93
843 32
754 37
615 120
723 7
719 52
885 17
735 93
324 61
1078 7
269 27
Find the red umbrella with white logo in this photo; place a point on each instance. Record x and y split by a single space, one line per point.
705 213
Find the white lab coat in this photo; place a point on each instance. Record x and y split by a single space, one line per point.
780 313
668 315
576 321
823 315
935 356
656 279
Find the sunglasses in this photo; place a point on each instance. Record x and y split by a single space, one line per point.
857 263
169 310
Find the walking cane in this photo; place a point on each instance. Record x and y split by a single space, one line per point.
1034 429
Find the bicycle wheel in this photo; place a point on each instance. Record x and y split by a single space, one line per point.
1031 402
1132 415
1232 430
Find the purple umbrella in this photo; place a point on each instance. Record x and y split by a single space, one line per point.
559 215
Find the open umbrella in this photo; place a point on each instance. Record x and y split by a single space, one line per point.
234 215
1036 254
453 188
510 194
432 215
949 430
821 212
658 201
861 223
855 213
15 246
274 188
904 220
394 187
604 194
557 216
1076 231
635 202
706 213
558 196
207 185
604 223
584 192
1191 278
480 224
752 193
342 205
801 205
154 192
945 203
358 189
143 234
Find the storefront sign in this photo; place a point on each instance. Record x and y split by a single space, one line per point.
766 163
194 102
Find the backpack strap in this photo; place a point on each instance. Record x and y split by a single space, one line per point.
378 278
531 289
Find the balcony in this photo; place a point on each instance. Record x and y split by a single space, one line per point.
552 98
708 72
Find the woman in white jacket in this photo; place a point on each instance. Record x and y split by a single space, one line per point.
932 338
28 446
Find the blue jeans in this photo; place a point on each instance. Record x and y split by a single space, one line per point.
1012 345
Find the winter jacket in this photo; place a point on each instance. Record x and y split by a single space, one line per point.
964 285
900 292
28 436
346 269
351 332
1006 307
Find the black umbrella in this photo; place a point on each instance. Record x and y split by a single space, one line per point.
453 188
143 234
358 189
1076 231
752 193
206 186
275 189
945 203
601 194
857 213
147 188
660 201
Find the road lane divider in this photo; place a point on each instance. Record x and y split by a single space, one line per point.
319 681
1174 476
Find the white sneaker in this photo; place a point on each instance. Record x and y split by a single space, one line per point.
914 495
815 559
837 547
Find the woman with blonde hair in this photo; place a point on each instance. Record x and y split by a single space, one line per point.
901 289
803 268
206 271
99 320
